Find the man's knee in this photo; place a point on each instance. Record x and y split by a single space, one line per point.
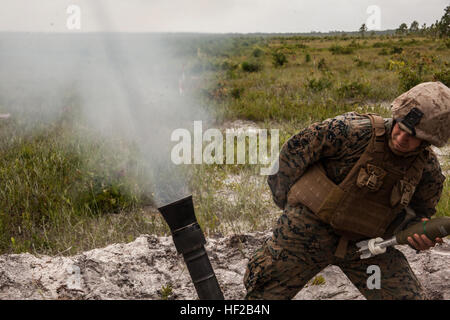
273 273
394 276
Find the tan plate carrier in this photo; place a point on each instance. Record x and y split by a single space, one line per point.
377 188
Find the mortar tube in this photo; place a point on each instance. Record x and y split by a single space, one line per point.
189 240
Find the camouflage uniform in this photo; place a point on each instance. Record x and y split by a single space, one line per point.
302 245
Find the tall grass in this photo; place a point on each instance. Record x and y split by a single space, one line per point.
55 177
443 207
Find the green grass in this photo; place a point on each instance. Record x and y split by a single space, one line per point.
317 281
443 207
64 190
286 92
57 177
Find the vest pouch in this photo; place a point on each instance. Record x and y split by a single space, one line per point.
317 192
370 177
330 204
361 216
402 193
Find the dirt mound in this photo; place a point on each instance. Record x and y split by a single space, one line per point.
150 268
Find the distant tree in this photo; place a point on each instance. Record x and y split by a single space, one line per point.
435 29
402 29
423 30
363 29
414 28
444 24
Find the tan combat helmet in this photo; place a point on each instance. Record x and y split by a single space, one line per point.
424 112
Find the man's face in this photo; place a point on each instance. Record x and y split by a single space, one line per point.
402 141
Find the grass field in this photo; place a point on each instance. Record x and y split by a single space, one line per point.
63 190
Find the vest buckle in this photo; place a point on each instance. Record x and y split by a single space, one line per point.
407 192
372 182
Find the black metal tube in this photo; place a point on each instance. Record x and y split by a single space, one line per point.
189 241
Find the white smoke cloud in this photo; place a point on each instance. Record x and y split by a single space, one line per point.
126 84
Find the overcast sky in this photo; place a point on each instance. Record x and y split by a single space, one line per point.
217 16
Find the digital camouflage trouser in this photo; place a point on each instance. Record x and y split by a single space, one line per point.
301 246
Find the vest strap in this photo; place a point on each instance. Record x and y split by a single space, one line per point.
414 173
341 249
379 132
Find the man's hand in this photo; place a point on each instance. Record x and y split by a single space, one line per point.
422 242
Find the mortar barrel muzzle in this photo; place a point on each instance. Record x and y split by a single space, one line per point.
189 240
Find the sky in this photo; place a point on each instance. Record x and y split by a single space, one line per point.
213 16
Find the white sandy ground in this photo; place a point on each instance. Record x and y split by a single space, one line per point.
140 269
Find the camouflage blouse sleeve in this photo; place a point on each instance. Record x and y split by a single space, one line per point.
429 190
318 141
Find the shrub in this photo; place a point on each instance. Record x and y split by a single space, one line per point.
442 76
307 58
409 78
107 197
411 73
251 66
257 52
380 45
396 50
353 89
360 63
237 92
317 85
383 52
355 45
444 45
227 65
278 59
337 49
411 42
441 47
322 64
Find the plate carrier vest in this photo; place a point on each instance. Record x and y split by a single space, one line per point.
377 188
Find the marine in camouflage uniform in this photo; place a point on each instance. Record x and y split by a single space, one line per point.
302 244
